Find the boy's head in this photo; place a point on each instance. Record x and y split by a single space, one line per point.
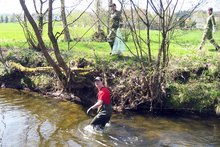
98 82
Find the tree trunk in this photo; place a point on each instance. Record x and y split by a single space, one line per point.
148 33
40 15
108 21
40 23
57 53
64 21
98 15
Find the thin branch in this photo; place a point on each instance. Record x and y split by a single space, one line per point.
74 20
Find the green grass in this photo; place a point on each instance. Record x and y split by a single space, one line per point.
184 43
11 32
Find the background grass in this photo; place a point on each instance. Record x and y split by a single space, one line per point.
184 42
183 48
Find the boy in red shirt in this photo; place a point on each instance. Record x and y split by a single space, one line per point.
103 104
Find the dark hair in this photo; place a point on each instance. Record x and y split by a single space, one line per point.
210 9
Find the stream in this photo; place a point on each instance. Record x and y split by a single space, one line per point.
30 120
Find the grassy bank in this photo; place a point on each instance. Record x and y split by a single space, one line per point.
199 90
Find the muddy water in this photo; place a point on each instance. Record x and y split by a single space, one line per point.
32 120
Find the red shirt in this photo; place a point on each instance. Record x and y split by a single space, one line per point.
104 95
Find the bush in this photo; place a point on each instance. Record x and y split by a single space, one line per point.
195 96
26 57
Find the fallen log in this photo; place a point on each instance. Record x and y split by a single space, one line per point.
47 69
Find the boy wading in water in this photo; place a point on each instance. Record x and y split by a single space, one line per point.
103 104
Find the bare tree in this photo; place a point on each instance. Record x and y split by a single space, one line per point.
27 33
61 69
31 40
153 68
64 21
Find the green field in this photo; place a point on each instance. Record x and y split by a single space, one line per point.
183 47
183 43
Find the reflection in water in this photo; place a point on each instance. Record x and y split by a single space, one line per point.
27 119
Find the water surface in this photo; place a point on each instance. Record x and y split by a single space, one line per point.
28 119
